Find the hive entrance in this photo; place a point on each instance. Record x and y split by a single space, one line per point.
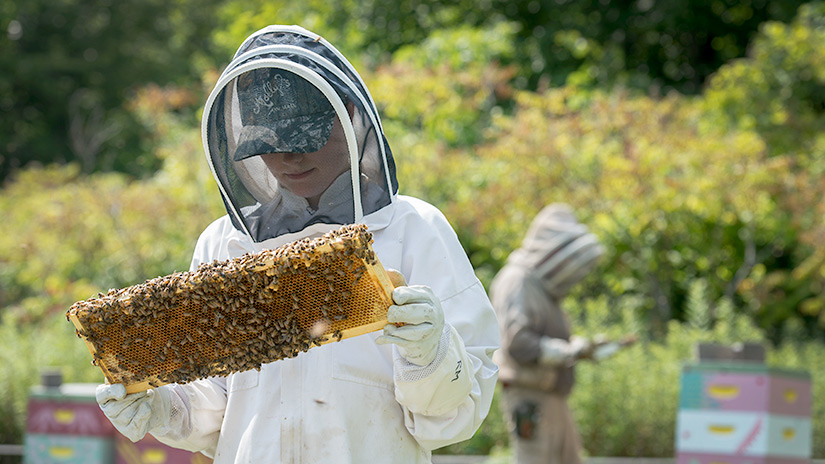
234 315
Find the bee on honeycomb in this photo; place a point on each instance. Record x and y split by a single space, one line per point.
235 315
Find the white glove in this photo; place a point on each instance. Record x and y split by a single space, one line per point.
135 414
605 351
560 352
420 311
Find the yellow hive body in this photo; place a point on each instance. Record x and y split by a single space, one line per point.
235 315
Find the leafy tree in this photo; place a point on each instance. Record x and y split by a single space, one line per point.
677 196
779 88
70 65
72 235
73 64
673 44
778 91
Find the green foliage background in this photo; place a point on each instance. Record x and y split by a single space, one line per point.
709 202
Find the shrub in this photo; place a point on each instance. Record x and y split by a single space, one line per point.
72 236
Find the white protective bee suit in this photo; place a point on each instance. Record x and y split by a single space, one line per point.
353 401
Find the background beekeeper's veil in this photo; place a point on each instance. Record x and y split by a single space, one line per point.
289 68
559 249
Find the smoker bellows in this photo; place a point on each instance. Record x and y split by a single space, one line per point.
234 315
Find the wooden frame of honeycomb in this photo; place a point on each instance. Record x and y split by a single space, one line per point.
234 315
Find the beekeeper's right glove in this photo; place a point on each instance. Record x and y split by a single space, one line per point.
605 351
135 414
560 352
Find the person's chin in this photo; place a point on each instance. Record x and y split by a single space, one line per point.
301 191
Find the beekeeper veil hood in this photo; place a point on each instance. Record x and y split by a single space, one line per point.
558 249
288 91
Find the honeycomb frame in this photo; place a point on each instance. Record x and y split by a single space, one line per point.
237 314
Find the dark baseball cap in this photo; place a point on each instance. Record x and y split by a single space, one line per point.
281 112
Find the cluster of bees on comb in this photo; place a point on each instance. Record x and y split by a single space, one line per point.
234 315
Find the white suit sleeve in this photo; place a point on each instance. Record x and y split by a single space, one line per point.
199 416
446 401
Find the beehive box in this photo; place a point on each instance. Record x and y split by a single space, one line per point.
743 413
235 315
745 387
744 434
709 458
150 451
64 424
67 449
70 409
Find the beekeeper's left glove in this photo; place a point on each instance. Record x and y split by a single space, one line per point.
419 310
135 414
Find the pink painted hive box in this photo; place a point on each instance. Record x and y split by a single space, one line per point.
70 409
746 387
150 451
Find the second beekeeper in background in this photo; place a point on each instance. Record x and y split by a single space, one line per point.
297 148
538 351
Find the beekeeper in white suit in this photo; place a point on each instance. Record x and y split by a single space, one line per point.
295 143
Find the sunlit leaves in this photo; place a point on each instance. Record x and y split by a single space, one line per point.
674 194
781 86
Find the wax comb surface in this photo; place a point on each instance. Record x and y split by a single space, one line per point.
234 315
